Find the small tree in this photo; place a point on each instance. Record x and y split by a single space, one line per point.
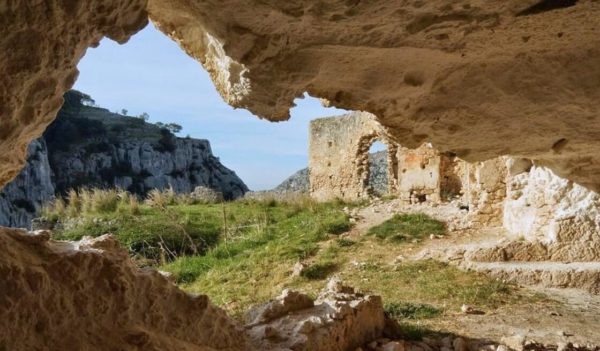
159 124
144 116
173 128
124 112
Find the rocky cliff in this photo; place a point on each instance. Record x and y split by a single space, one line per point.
297 182
22 198
88 146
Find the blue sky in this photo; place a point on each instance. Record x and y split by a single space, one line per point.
152 74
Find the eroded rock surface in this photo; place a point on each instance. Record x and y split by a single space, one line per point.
41 43
87 295
340 319
481 79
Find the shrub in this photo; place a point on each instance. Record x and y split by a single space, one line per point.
166 143
104 201
319 271
404 227
408 310
74 200
161 198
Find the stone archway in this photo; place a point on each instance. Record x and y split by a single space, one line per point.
364 164
339 156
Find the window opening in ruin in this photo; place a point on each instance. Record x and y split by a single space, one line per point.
378 169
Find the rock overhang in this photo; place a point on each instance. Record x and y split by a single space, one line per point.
476 78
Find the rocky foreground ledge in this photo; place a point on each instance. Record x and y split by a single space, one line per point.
88 295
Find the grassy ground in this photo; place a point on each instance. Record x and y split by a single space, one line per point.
245 252
408 227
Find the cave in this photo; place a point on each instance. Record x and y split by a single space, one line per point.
480 81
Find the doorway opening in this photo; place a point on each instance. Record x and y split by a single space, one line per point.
378 180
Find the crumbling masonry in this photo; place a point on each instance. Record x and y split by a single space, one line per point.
339 163
546 218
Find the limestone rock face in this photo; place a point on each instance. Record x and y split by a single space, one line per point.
87 295
137 166
21 199
561 215
297 182
378 172
479 78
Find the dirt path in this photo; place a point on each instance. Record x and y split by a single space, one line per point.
568 316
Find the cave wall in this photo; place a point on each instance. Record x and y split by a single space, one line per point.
480 79
554 218
88 295
41 43
22 199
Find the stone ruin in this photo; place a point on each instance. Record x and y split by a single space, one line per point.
339 163
477 79
546 218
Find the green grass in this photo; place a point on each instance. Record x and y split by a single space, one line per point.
253 267
345 242
416 332
409 310
246 251
434 283
407 227
319 270
229 230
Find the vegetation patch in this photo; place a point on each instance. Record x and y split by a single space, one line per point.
319 270
409 310
243 252
407 227
434 283
345 242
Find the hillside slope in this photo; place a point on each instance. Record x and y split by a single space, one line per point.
89 146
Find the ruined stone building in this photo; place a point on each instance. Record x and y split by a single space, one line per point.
535 206
339 163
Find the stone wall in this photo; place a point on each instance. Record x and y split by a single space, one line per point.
339 163
484 190
419 176
339 155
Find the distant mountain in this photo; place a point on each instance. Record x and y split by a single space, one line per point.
297 182
89 146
